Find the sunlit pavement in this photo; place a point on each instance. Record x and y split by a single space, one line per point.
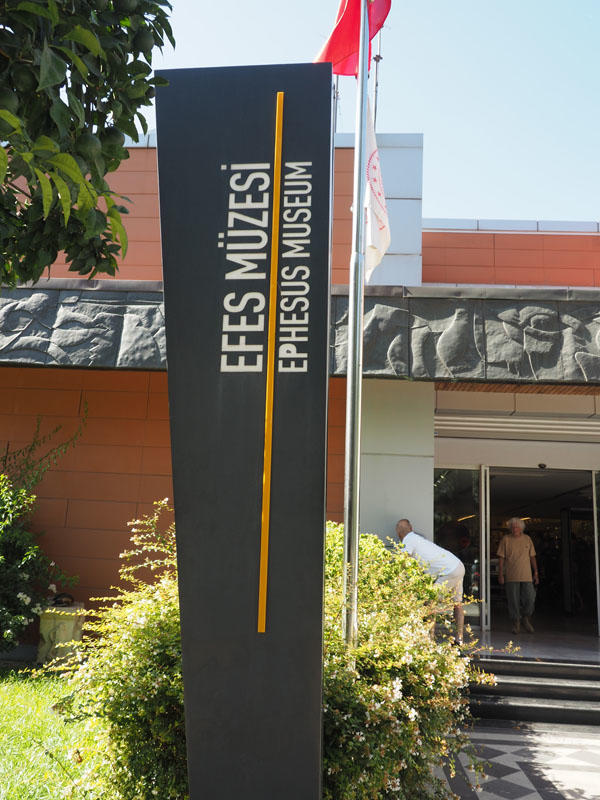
531 761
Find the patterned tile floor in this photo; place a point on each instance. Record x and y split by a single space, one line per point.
527 761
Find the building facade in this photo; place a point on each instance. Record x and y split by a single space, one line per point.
481 397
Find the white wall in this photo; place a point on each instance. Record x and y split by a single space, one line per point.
454 452
401 158
397 456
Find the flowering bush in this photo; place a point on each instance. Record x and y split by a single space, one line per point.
26 574
128 673
393 706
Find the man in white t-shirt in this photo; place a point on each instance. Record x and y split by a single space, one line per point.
446 568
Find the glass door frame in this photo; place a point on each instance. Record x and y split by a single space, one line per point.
484 544
484 538
595 477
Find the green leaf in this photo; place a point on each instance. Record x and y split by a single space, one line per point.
67 164
64 195
128 127
84 200
75 106
52 68
77 62
117 229
15 122
53 9
138 68
3 164
28 20
61 116
46 188
47 144
143 123
38 10
95 223
86 38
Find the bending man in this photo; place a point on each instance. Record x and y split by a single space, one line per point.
442 564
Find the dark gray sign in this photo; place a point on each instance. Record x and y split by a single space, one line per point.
244 169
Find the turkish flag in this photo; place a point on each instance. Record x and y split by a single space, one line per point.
341 49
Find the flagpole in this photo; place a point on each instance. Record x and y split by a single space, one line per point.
376 59
355 345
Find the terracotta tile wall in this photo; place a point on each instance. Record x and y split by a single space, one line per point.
119 467
121 464
448 257
336 431
342 215
535 259
136 178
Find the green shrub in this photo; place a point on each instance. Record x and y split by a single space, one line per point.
392 707
27 575
129 672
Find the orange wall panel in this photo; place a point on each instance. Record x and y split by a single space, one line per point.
119 467
528 259
490 253
336 430
120 464
137 179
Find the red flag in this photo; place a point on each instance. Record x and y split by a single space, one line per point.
342 46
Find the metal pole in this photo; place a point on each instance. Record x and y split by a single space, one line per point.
336 98
355 346
376 59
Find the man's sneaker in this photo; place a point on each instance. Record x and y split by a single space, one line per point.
527 625
517 626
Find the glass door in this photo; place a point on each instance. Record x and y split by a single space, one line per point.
596 498
458 528
558 509
484 535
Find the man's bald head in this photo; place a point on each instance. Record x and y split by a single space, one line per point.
403 527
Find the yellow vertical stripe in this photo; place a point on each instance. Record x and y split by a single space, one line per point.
266 495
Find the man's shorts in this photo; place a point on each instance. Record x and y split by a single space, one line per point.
455 581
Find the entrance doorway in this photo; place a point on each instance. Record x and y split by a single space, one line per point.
557 507
471 507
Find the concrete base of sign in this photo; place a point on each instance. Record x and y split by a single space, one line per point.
59 627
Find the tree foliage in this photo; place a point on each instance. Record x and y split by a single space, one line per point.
74 75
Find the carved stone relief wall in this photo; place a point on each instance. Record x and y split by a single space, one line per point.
486 339
545 337
82 328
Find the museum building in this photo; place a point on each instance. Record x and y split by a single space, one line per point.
481 398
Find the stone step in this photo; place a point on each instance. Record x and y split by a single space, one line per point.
502 665
573 712
538 687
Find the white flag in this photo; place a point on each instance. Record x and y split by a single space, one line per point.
377 223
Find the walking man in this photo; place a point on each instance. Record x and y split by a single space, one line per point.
518 571
442 564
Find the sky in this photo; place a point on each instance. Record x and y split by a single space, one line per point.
505 92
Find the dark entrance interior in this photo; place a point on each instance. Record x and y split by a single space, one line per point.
557 506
